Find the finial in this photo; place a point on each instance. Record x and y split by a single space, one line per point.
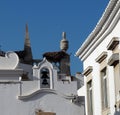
26 28
64 42
64 35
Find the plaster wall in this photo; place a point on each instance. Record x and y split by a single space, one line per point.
47 102
81 91
90 61
67 88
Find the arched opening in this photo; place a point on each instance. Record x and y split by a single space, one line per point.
44 78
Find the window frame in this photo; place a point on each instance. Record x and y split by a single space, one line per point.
90 96
104 88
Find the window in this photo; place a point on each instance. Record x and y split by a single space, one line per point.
104 88
44 78
90 100
117 80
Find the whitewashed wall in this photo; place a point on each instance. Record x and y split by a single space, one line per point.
49 102
90 61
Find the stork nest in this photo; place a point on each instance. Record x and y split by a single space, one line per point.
55 56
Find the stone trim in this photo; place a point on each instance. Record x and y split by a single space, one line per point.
89 78
88 70
101 57
114 59
113 43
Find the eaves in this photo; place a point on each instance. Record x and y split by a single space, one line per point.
104 27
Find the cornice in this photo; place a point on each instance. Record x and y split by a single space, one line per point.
101 57
105 25
11 72
114 59
113 43
88 70
45 91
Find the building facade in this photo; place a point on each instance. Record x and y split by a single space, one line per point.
38 86
100 54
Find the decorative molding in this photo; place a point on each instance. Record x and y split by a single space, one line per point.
11 72
44 64
10 82
9 76
21 97
114 59
113 43
10 61
101 57
88 70
44 61
105 26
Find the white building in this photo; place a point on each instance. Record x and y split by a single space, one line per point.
100 54
47 88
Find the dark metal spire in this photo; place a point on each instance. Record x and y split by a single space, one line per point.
27 40
27 48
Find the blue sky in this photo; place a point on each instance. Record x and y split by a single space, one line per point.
46 20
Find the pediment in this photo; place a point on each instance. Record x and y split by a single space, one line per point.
43 63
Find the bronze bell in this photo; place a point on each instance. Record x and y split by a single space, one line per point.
45 82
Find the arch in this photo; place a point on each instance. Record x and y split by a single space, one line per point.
44 65
46 77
